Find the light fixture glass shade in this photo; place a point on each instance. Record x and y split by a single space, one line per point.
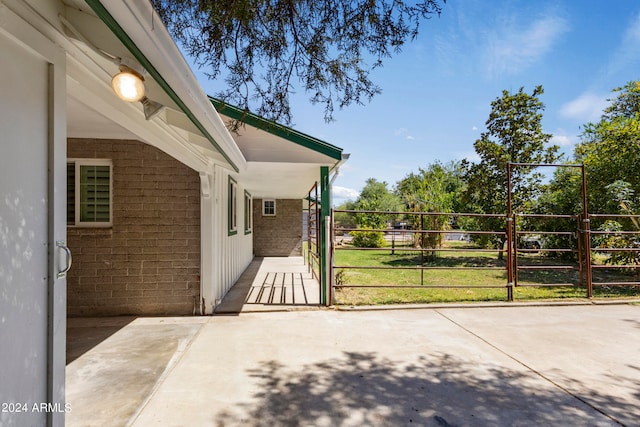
128 85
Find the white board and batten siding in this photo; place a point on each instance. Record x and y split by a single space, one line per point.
225 256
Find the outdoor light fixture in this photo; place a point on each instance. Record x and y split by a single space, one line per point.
151 108
128 84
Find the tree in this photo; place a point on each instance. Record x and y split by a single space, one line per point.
262 47
514 134
610 149
434 189
376 196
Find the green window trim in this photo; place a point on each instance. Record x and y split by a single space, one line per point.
89 193
248 213
232 207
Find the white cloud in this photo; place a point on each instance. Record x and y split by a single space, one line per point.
345 193
513 47
469 155
474 127
561 140
404 133
585 108
628 52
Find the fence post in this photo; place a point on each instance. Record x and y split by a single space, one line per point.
328 273
587 234
510 249
587 255
421 249
324 220
510 245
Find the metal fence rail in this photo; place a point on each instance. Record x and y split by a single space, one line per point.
313 235
569 242
609 251
418 235
534 228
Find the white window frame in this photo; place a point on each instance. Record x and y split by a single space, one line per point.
248 213
264 207
78 163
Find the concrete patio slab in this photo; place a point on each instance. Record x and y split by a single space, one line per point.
109 383
524 366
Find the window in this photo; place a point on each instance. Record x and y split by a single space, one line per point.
248 213
268 207
89 194
233 207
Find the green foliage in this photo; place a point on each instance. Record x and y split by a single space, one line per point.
514 134
368 239
376 196
340 278
345 219
434 189
610 151
262 47
613 239
562 196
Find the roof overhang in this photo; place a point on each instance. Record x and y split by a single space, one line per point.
188 128
270 160
281 162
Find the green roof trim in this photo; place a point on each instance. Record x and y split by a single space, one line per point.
119 32
277 129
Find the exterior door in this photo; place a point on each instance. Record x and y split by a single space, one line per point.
32 293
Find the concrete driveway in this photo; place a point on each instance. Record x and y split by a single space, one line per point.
476 366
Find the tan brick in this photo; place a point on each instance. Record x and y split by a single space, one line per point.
114 267
142 286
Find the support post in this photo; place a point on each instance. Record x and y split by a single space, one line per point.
206 304
587 235
325 212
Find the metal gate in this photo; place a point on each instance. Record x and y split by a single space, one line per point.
570 240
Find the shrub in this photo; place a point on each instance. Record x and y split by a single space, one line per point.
368 239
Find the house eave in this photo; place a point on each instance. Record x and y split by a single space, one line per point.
277 129
144 28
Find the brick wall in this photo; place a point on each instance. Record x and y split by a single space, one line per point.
279 235
148 263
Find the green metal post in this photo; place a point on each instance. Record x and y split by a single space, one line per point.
325 212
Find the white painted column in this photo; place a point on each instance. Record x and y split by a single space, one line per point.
207 269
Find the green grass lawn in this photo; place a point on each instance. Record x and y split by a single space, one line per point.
488 270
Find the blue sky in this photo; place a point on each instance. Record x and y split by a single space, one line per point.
436 94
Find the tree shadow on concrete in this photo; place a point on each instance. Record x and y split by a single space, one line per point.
362 389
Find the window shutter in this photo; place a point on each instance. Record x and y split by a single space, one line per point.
71 193
95 192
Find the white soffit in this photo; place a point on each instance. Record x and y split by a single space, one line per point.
280 180
258 145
